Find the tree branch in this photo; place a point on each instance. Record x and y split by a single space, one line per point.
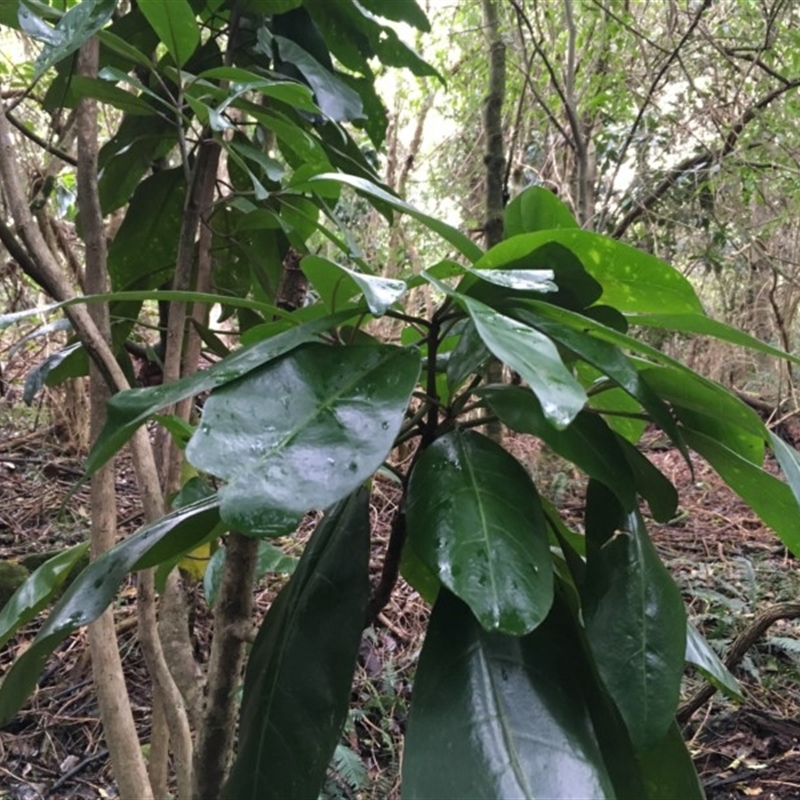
704 159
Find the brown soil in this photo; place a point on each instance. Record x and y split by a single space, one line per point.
729 566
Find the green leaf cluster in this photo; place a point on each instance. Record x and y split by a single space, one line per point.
552 663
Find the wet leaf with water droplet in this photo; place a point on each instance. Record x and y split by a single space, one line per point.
324 419
475 520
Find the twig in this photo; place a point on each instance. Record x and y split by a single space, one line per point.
75 770
743 642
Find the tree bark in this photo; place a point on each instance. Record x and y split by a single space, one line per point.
234 607
112 694
494 161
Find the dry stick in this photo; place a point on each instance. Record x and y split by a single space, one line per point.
115 708
143 459
743 642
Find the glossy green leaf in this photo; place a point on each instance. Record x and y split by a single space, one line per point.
706 326
701 655
128 410
576 288
106 92
333 96
336 284
74 28
143 252
534 356
495 716
575 332
536 209
399 11
467 357
475 520
297 685
624 415
303 432
117 44
524 280
708 407
92 591
273 559
768 496
635 619
38 590
461 242
176 26
417 575
632 280
651 483
587 441
41 372
667 770
789 460
127 156
354 35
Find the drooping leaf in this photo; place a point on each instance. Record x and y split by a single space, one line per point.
145 247
273 559
706 326
712 409
534 356
127 156
651 483
633 281
354 35
81 86
572 331
337 284
789 460
92 591
475 520
586 441
626 412
297 685
461 242
38 376
667 769
496 716
303 432
176 26
700 654
768 496
468 355
38 590
536 209
530 280
128 410
635 619
400 11
334 97
74 28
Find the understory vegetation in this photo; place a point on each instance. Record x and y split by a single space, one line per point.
376 500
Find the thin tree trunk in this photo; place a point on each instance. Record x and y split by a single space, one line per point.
495 162
112 694
46 266
233 611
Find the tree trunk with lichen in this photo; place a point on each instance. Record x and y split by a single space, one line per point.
495 162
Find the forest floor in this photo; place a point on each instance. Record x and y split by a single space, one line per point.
729 566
